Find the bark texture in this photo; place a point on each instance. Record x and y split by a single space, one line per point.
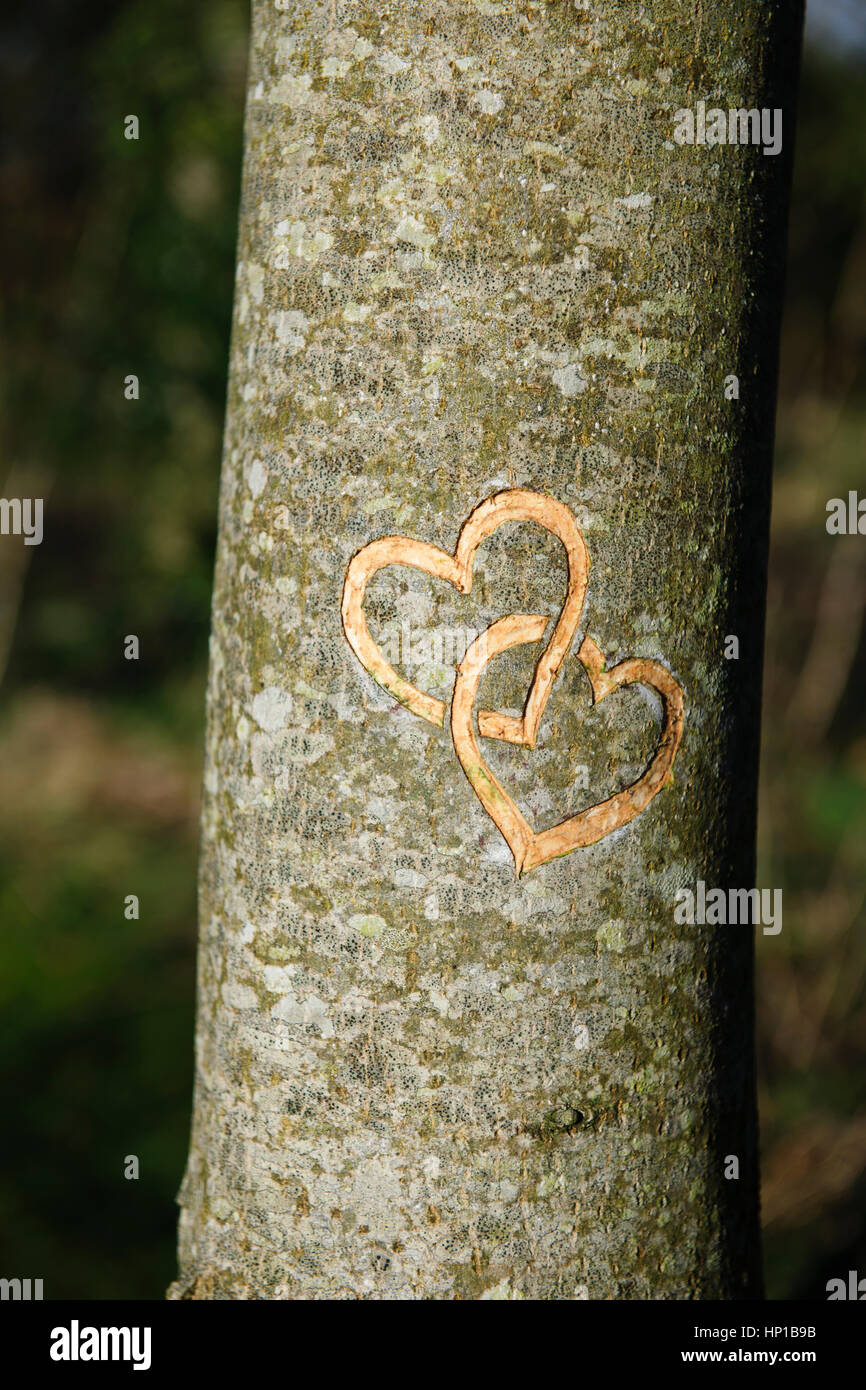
472 257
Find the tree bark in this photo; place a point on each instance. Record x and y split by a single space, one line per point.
474 260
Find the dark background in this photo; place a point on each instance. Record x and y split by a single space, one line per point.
118 257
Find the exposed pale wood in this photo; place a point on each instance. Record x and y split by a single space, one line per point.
529 848
516 504
470 249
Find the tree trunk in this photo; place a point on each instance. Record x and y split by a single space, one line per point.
475 263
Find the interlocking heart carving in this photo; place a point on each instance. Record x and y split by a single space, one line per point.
529 848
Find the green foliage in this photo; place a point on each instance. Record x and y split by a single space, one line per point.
122 260
813 803
124 264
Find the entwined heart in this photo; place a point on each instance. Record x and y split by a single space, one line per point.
528 847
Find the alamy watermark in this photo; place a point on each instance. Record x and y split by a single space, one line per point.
22 516
738 906
76 1343
854 1289
407 647
734 126
846 518
23 1290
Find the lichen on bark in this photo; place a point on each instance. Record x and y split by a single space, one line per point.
472 257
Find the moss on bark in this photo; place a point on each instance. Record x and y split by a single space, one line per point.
471 256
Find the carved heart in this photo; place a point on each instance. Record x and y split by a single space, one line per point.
517 504
586 827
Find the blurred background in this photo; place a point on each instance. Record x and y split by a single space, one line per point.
117 257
